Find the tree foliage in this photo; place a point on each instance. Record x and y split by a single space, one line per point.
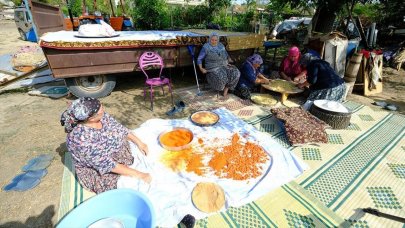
282 10
75 6
326 10
218 5
189 17
393 12
149 15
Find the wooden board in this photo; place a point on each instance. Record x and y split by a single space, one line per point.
362 82
379 86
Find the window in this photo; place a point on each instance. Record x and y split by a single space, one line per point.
27 16
19 15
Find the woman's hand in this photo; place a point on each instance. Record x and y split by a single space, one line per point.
303 85
127 171
203 70
146 177
143 147
285 77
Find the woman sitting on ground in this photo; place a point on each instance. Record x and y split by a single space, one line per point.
324 83
101 152
99 146
250 77
220 74
290 68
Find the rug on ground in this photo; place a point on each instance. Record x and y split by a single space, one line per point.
361 166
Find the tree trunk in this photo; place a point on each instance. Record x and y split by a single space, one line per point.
324 24
327 16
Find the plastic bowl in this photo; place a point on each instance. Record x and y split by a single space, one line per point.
125 206
171 135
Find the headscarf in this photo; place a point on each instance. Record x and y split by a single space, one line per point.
212 35
255 59
294 51
292 67
79 111
307 58
218 48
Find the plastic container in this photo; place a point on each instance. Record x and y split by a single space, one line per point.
351 47
129 207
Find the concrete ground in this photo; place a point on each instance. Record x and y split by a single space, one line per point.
29 126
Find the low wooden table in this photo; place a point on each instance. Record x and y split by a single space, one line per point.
276 86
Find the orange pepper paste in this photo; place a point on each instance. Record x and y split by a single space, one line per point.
175 138
236 160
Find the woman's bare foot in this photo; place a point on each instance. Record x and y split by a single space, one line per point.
224 95
224 98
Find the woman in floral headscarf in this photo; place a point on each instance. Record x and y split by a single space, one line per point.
250 77
290 68
221 75
99 146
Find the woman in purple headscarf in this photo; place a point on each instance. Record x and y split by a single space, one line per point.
99 146
250 77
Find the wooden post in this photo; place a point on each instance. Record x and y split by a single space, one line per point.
112 8
360 27
84 7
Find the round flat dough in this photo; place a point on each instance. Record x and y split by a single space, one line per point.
263 99
283 86
205 117
208 197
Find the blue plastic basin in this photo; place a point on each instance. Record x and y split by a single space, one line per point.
131 208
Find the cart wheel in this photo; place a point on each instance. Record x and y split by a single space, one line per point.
22 35
91 86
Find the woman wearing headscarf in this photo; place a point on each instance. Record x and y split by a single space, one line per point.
99 146
290 68
250 77
220 74
324 83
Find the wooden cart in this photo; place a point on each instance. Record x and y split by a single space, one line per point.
89 68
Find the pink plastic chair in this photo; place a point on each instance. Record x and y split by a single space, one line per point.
152 59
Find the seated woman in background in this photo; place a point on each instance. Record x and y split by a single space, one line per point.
220 74
290 68
250 77
324 83
99 146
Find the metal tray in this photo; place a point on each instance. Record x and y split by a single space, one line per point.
176 148
204 124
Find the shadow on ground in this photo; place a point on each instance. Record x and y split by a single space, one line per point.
42 220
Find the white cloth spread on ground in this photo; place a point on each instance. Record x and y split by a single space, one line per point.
170 192
69 36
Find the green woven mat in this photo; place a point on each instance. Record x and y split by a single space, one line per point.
361 166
